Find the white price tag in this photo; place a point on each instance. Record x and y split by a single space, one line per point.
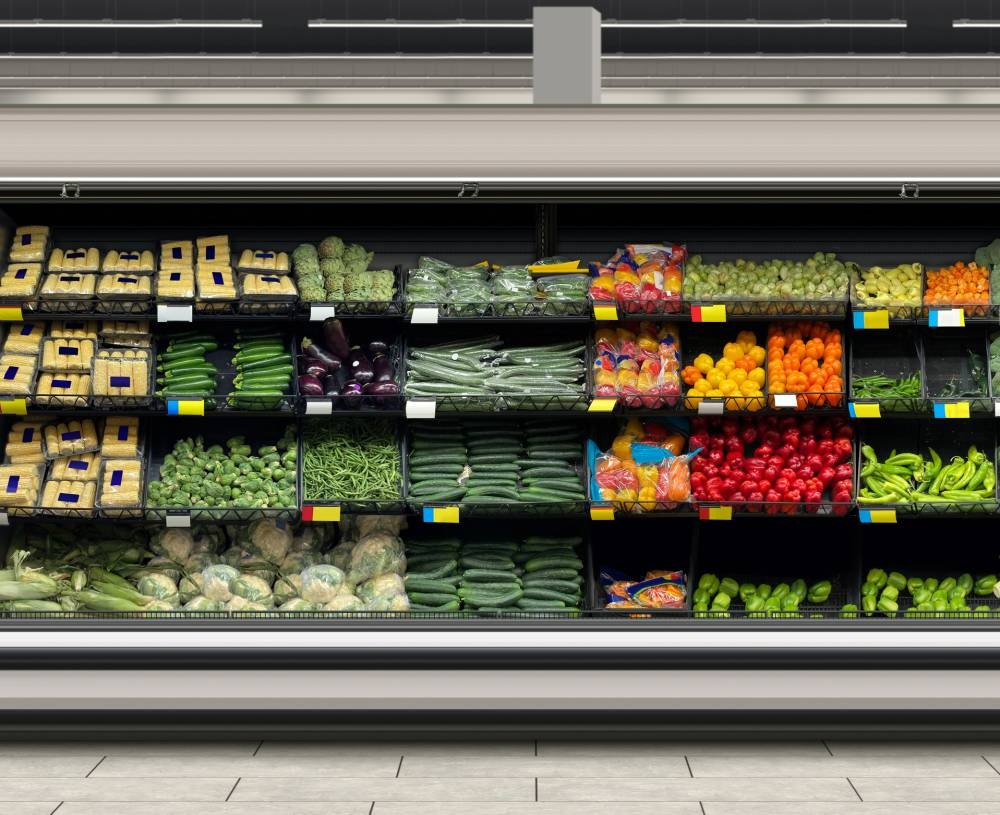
174 314
996 409
319 407
424 315
707 407
319 313
421 408
4 519
785 400
178 521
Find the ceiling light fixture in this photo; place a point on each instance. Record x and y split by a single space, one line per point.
975 23
108 23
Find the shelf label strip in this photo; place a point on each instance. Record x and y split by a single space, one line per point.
861 410
877 516
424 315
603 404
711 407
715 513
605 313
871 319
421 408
709 314
951 410
319 313
13 407
440 515
185 407
11 314
785 400
174 314
319 407
178 521
321 514
946 317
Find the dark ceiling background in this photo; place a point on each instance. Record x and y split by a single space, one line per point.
284 31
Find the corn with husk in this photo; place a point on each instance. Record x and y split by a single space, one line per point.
21 583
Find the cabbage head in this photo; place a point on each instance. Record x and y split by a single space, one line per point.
269 540
216 581
159 586
320 584
202 603
345 602
190 586
383 584
175 544
297 604
377 554
250 587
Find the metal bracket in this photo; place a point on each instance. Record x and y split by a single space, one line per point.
470 189
909 190
70 191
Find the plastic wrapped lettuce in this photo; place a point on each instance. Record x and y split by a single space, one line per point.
159 586
202 603
297 604
251 587
287 588
270 540
175 544
344 602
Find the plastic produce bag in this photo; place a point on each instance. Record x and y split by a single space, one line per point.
377 554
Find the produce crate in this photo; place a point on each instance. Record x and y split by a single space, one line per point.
222 359
812 399
355 506
492 403
711 340
314 310
129 403
361 333
949 367
515 509
164 432
896 548
948 438
897 355
717 551
973 312
900 311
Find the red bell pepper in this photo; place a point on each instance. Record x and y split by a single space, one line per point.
754 501
773 498
808 445
765 451
844 472
813 499
748 435
826 476
844 449
747 486
786 451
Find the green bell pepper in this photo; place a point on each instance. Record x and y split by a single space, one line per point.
819 592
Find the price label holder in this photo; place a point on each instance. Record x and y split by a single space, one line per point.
606 313
715 513
785 400
319 313
177 520
877 319
185 407
13 407
602 512
174 314
424 315
568 267
321 514
877 516
4 519
603 404
421 408
946 318
864 410
996 409
951 410
319 407
11 314
708 314
711 407
440 515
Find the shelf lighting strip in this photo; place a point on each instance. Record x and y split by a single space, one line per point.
975 23
108 23
612 24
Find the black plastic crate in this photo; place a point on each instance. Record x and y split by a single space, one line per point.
895 354
951 358
314 310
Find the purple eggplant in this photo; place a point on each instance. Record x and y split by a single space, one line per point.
309 385
351 393
382 368
376 347
331 387
359 366
335 337
320 354
312 366
381 389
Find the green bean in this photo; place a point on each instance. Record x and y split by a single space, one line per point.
350 460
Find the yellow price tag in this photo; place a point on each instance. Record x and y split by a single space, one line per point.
709 314
440 515
14 407
605 312
879 318
13 314
860 410
568 267
321 514
602 513
715 513
952 410
185 407
603 404
877 516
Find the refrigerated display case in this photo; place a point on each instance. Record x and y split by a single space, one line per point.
828 654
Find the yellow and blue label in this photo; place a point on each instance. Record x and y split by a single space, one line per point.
185 407
879 318
877 516
440 515
951 410
709 314
864 410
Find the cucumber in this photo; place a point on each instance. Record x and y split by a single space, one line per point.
425 598
554 454
422 489
431 586
545 542
439 469
505 493
492 599
561 575
523 557
429 562
436 574
195 366
184 352
493 458
444 495
553 562
529 604
553 485
565 586
485 562
448 458
451 605
486 499
534 593
528 463
488 588
282 361
486 575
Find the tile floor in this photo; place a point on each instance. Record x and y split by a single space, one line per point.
523 777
